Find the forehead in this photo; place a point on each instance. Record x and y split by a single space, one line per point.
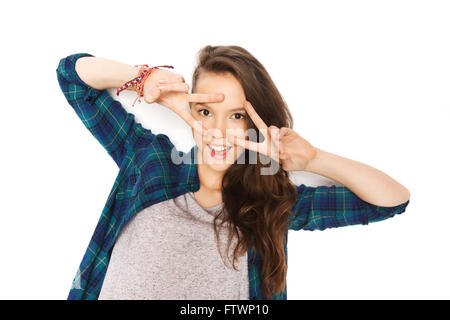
224 83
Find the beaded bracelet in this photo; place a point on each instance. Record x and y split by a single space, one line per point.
139 81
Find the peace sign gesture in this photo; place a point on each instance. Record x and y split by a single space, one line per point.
281 144
170 90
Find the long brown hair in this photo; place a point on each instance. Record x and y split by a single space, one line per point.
257 206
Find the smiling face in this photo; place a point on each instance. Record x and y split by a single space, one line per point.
219 118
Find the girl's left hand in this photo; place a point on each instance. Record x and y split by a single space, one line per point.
281 144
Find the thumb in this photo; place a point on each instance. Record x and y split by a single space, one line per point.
152 93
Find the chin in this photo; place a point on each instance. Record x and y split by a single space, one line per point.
218 166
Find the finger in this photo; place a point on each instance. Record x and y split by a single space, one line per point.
152 95
174 80
274 133
205 97
250 145
259 123
280 146
283 132
195 124
175 86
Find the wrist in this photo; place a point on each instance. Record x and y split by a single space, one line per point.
313 165
133 75
134 72
130 80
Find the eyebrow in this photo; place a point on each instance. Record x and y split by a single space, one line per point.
235 109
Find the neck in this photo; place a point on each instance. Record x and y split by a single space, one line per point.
210 180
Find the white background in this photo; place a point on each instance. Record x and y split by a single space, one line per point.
368 80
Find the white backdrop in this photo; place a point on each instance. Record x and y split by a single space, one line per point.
368 80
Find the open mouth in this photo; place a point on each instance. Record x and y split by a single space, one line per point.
219 151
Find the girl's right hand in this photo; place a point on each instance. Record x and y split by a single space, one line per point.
170 90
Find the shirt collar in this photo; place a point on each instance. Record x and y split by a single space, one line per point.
188 170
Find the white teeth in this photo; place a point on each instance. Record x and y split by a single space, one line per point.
217 148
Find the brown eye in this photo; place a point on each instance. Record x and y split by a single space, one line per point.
241 116
200 111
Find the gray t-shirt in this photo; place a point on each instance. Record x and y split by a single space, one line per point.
168 251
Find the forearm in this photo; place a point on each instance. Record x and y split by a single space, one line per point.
102 73
368 183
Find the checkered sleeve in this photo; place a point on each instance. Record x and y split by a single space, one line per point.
319 208
103 116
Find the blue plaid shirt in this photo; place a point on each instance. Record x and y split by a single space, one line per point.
147 176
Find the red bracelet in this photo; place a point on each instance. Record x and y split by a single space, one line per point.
139 81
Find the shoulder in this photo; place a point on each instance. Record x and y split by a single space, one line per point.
159 163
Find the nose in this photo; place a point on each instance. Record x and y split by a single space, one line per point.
217 132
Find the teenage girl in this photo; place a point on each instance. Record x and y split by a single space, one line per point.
160 233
